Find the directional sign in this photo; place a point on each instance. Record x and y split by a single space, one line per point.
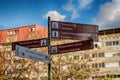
67 30
31 43
70 47
30 54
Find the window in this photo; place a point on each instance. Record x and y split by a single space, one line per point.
95 65
13 32
86 56
76 66
109 76
119 63
32 29
101 54
76 57
106 75
115 42
85 77
103 64
83 66
95 45
103 76
115 76
118 54
10 32
118 75
98 65
16 31
93 77
94 55
108 43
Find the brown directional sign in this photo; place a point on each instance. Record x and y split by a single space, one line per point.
71 47
31 43
67 30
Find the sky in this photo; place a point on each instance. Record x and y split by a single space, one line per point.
18 13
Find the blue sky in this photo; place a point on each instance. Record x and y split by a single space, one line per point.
17 13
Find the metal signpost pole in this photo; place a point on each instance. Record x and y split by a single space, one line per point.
49 48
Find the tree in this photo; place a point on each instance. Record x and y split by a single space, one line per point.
18 68
68 66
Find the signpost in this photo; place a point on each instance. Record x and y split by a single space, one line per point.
67 30
30 54
31 43
63 30
49 48
71 47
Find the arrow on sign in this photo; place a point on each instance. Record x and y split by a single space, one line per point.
71 47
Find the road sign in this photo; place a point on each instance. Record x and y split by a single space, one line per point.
30 54
31 43
67 30
71 47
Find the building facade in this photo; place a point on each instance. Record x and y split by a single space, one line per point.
106 57
100 63
11 66
22 33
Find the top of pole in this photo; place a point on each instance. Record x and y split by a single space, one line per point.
48 18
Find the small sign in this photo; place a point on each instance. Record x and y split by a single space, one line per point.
31 43
71 47
54 49
43 42
55 25
55 34
30 54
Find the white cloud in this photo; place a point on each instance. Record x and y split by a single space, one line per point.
75 8
109 15
75 14
54 15
84 3
71 7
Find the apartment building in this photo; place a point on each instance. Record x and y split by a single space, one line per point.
100 63
106 57
22 33
11 65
